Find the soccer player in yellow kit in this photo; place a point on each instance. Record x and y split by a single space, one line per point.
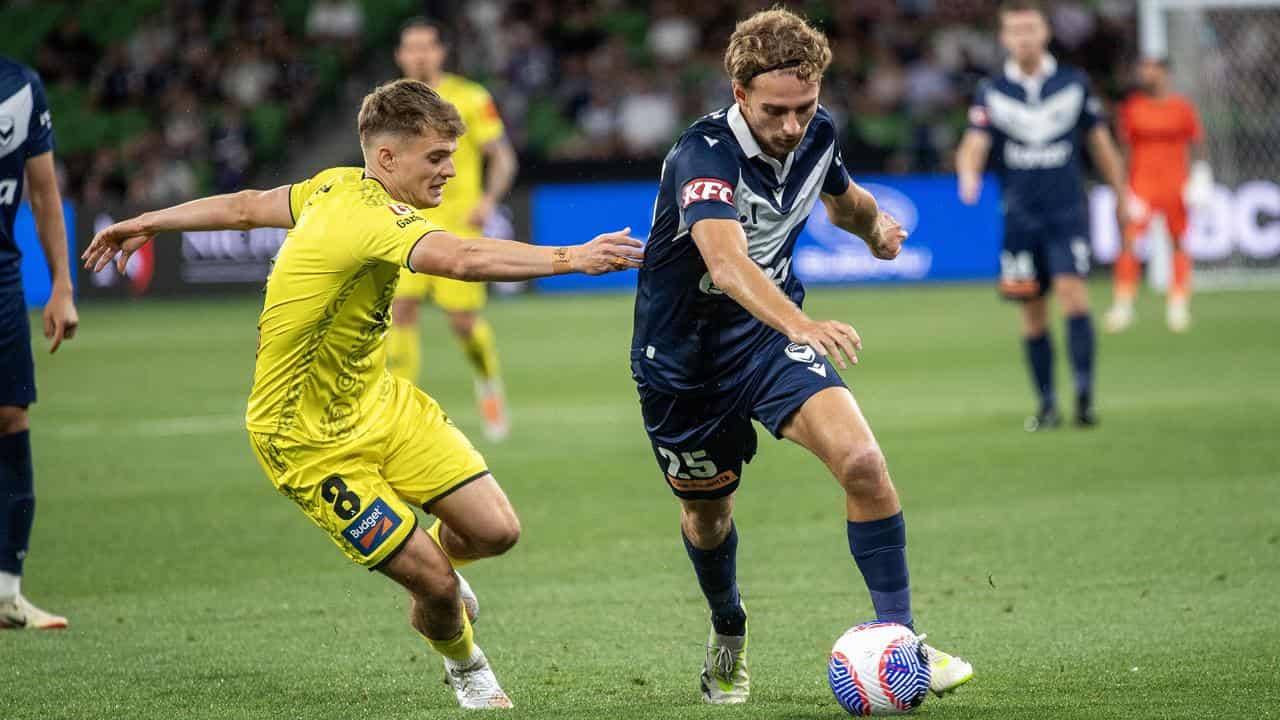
486 167
352 445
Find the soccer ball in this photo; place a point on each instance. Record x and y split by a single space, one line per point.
879 668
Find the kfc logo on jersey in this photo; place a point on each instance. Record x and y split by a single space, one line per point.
400 209
699 189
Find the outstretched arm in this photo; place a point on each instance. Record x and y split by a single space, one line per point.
723 246
476 259
242 210
856 211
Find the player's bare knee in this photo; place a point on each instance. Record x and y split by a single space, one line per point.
503 537
13 419
862 471
707 524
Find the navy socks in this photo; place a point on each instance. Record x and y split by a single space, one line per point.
1080 346
17 500
1040 360
879 548
717 571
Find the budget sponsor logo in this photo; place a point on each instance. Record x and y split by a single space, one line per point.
372 528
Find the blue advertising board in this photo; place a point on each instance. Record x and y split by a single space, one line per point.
948 240
36 284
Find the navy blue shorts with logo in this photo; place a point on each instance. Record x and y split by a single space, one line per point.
1032 257
17 371
701 441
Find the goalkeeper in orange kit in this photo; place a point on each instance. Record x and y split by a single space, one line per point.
1167 173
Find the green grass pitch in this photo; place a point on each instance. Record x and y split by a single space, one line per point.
1131 571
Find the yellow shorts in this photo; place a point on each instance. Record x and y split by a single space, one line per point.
361 492
448 294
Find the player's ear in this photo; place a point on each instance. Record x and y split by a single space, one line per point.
739 93
386 157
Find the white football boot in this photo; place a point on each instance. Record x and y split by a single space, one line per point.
474 683
946 672
20 614
1178 315
1119 318
724 679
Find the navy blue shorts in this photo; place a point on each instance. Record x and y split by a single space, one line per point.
1031 258
17 371
702 441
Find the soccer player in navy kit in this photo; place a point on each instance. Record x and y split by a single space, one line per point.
1032 119
720 338
26 150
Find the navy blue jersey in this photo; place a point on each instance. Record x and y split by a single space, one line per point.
1038 126
689 336
25 131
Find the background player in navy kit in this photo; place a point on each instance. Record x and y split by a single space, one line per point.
26 148
1033 115
720 338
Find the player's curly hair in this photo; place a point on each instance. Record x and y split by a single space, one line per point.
776 39
408 107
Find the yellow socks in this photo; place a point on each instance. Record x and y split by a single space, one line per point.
404 352
482 350
458 649
434 532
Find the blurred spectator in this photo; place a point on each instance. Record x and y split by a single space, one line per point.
68 53
338 21
647 119
249 77
673 36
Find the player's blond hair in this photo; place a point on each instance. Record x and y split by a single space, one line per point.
408 107
776 39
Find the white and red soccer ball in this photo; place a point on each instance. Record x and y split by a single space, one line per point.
879 668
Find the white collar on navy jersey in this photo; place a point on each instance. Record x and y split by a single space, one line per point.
742 133
1048 66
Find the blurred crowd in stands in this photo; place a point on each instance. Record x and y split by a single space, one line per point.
604 80
198 96
193 98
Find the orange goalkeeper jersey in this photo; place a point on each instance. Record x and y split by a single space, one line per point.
1159 133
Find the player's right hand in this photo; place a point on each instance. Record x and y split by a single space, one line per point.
886 242
830 338
607 253
970 188
119 241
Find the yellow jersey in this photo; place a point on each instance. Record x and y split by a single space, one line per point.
483 127
321 370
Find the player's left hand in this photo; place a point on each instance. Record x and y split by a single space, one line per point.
60 317
886 241
609 252
481 212
119 241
